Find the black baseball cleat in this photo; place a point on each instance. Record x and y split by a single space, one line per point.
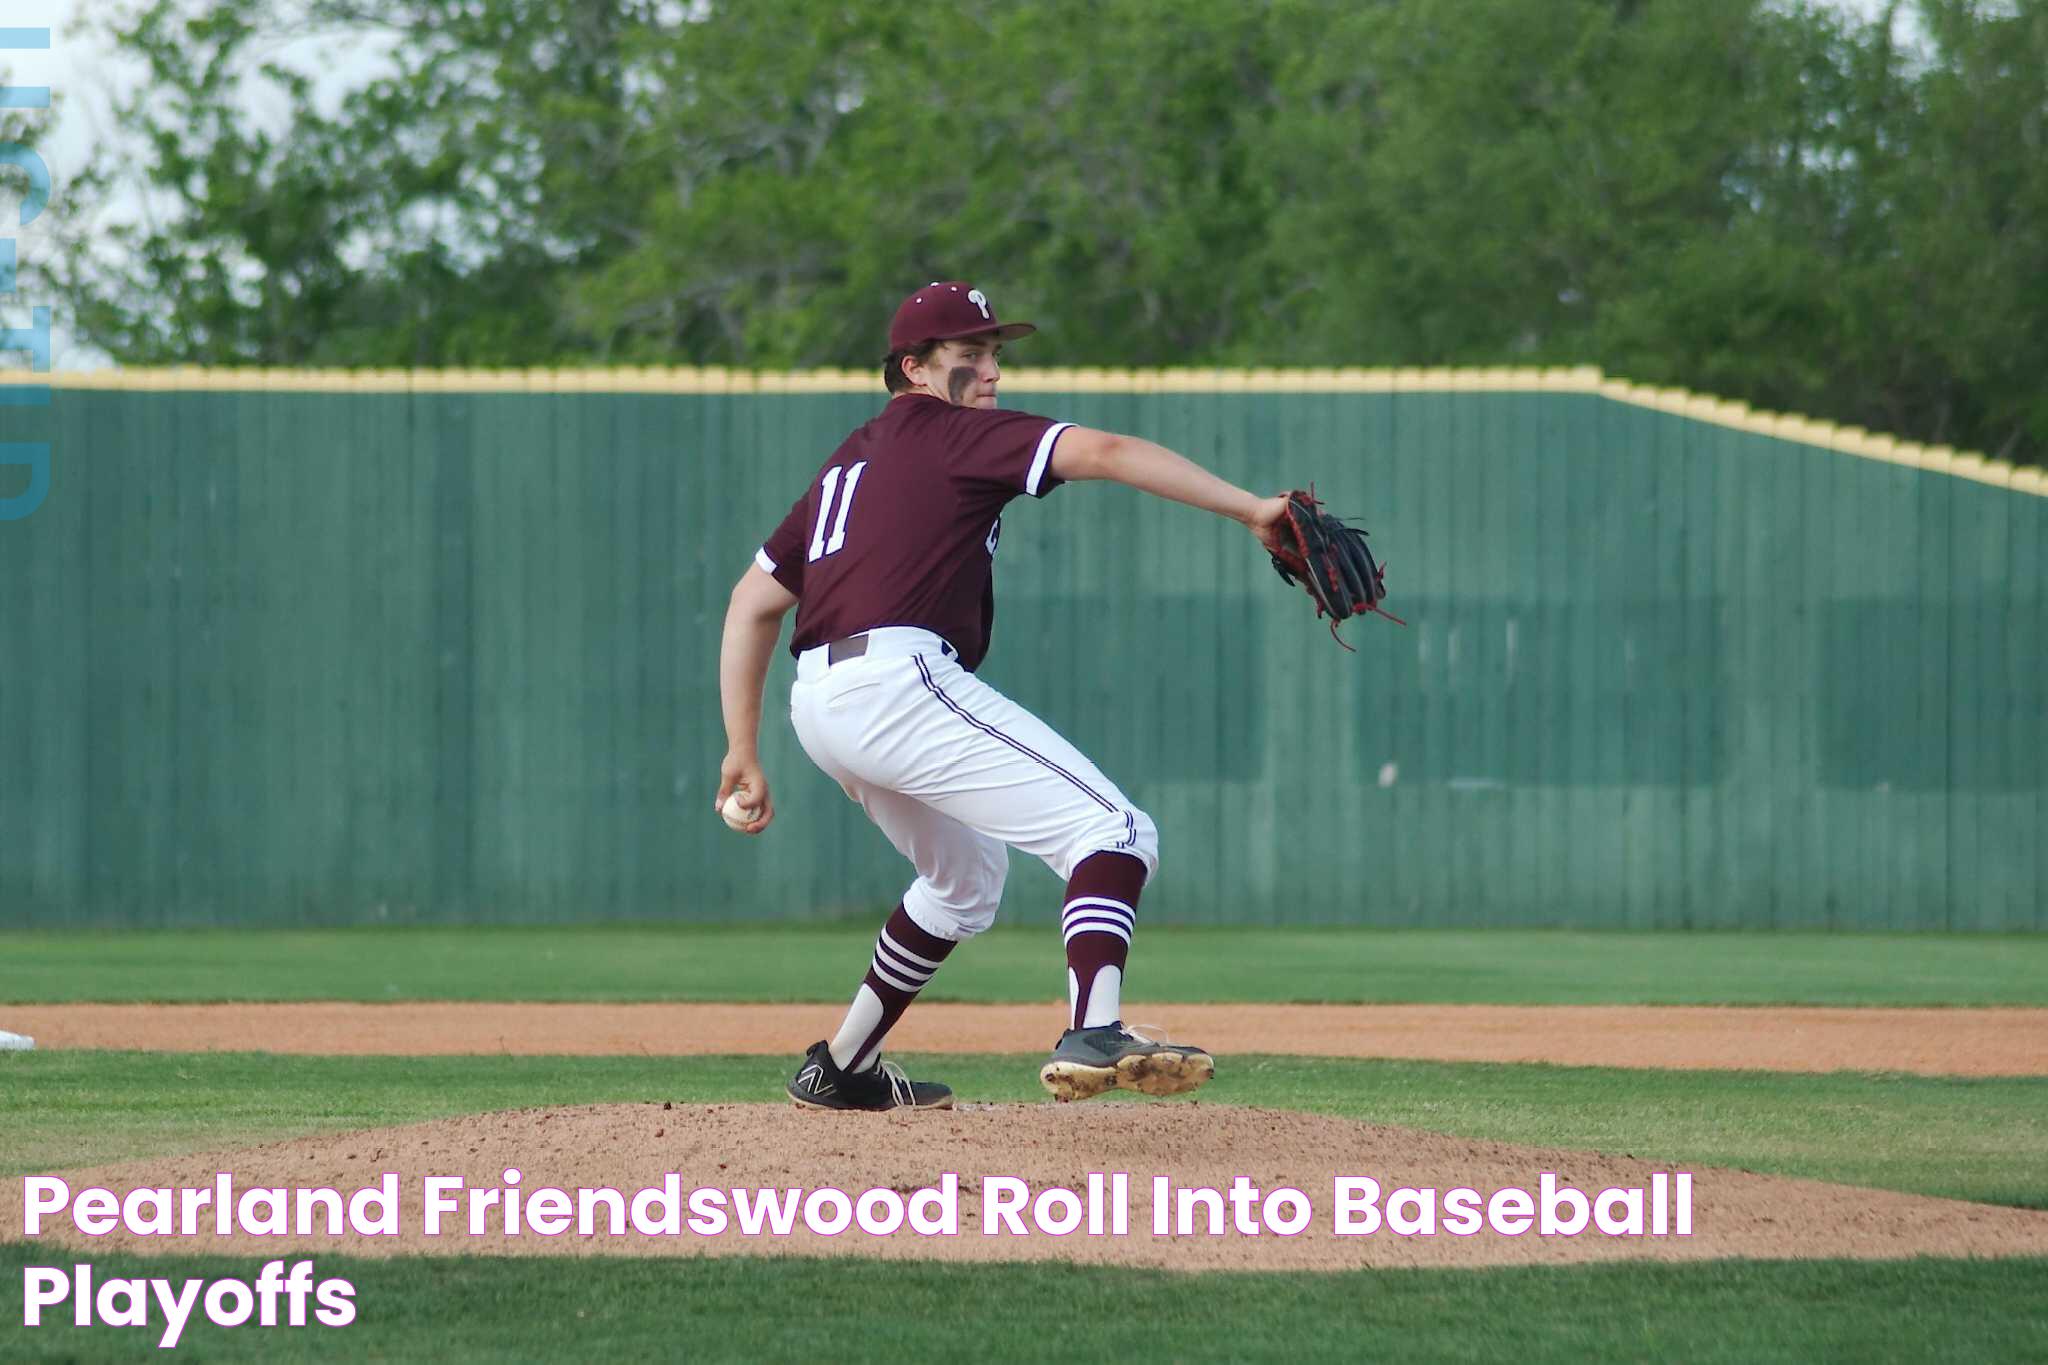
1089 1061
820 1084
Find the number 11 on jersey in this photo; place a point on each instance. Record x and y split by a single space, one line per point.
820 547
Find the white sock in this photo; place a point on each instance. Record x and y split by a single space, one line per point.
861 1017
1105 998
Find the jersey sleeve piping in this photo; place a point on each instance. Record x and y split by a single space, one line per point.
761 558
1044 457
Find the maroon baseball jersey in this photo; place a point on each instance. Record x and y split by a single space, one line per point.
900 526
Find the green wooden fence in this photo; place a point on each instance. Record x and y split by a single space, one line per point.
288 649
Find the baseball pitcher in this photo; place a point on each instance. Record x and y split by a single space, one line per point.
887 556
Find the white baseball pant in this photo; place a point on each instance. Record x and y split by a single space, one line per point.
952 770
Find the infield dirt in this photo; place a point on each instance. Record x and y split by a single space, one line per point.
1935 1042
629 1147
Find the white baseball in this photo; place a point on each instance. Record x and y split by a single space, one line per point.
737 815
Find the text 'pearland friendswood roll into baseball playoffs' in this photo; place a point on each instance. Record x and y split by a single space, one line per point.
1358 1206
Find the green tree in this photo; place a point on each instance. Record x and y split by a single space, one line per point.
398 231
1759 198
1955 307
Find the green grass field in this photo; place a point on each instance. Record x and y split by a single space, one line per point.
1977 1139
814 962
746 1309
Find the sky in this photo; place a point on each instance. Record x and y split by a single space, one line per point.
84 82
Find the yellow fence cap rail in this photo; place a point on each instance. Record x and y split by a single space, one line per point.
717 379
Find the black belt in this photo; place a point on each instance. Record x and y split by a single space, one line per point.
853 646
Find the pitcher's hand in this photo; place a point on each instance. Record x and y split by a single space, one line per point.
1269 524
741 774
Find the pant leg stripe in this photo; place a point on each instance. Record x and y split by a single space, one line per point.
931 684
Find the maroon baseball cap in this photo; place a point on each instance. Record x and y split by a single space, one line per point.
946 310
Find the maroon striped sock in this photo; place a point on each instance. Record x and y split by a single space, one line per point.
1097 919
905 958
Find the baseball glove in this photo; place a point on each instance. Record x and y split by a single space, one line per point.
1329 558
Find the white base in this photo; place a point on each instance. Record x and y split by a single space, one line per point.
15 1042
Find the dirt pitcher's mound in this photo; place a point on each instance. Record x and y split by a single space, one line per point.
748 1149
